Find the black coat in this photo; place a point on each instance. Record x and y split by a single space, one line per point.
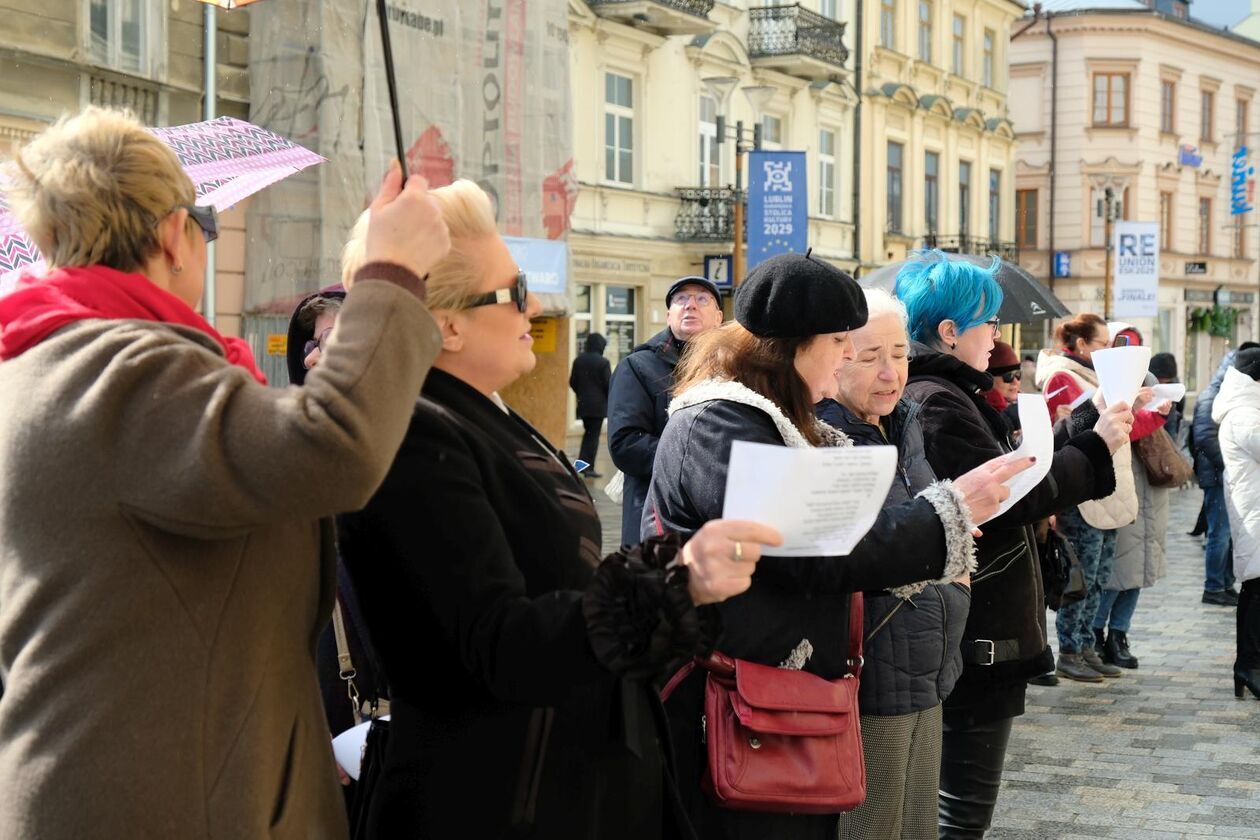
590 377
471 563
1209 466
791 598
637 414
961 431
911 647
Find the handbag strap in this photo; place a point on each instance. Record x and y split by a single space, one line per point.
345 665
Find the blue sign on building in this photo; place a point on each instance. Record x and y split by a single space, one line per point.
1242 183
1189 156
778 205
544 261
1062 264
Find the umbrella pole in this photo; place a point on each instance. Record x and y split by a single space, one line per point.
210 26
388 53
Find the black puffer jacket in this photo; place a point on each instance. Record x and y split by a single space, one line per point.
911 645
638 399
1209 466
961 431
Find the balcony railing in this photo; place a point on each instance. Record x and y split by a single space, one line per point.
668 17
964 244
789 31
113 93
707 214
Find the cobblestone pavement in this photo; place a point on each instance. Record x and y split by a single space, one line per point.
1159 753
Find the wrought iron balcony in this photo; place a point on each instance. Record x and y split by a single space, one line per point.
796 41
964 244
664 17
706 214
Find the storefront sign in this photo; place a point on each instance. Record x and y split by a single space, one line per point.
778 212
544 261
1196 268
1242 183
1062 264
543 331
277 344
1136 287
598 268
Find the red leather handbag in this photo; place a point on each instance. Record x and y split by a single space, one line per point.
779 740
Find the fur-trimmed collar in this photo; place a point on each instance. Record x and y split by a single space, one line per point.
732 391
1050 362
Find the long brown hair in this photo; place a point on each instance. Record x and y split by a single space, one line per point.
1084 326
764 365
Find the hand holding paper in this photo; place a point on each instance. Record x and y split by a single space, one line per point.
1038 443
1171 391
1121 371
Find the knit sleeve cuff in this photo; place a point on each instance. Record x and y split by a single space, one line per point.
960 545
1083 418
1094 448
396 274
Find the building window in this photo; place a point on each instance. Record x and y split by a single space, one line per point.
119 33
771 131
1242 110
1111 99
1205 226
995 204
710 151
1026 219
964 197
1166 221
619 319
828 8
925 31
618 129
893 190
1207 108
931 190
582 313
1167 106
827 173
960 43
986 76
888 24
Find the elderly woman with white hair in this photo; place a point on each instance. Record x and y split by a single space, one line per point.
912 632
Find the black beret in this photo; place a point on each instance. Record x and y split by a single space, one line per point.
795 295
1248 362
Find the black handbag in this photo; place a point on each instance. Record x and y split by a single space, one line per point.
370 773
1061 576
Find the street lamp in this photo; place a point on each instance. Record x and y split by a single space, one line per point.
758 96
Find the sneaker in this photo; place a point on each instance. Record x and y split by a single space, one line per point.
1074 668
1224 598
1044 679
1091 658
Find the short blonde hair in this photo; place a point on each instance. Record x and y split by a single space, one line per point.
91 190
469 217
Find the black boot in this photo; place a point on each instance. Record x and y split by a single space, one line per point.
1117 650
1100 644
1250 679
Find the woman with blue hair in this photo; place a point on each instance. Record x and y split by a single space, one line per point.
952 306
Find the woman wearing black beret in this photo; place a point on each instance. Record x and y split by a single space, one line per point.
757 379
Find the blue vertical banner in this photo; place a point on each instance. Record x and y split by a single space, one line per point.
778 205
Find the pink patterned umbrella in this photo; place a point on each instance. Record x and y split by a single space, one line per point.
227 159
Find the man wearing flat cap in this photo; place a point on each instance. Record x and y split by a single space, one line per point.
639 394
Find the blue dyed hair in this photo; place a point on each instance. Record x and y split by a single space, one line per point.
935 288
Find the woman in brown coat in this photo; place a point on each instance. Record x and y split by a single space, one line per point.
166 562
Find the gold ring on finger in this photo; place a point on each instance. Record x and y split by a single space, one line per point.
739 551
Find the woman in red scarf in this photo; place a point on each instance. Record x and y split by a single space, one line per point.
166 558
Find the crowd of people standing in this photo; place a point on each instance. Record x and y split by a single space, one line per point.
175 538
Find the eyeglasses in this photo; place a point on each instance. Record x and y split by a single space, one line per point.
703 299
316 343
517 293
996 324
207 218
1011 376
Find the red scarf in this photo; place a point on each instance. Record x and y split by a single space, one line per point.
39 307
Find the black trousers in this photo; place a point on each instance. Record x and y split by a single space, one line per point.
972 755
590 439
1249 626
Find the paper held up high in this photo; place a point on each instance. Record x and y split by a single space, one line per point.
1121 371
823 501
1037 441
1171 391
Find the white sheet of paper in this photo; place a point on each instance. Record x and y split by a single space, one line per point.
1121 371
1172 391
348 747
1037 441
1087 394
823 501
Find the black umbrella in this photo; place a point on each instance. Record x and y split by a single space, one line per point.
387 52
1024 298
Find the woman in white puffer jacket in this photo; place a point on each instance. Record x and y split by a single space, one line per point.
1237 412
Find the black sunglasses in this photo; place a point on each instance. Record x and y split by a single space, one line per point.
207 218
1010 376
516 293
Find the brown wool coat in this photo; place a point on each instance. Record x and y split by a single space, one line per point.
166 567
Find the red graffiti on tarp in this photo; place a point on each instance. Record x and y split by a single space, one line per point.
558 198
430 156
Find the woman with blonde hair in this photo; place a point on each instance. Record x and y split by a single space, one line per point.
166 554
519 664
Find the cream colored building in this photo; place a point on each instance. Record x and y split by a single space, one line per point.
1134 87
938 151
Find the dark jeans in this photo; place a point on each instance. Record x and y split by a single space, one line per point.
590 440
1217 559
1118 607
1249 626
972 755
